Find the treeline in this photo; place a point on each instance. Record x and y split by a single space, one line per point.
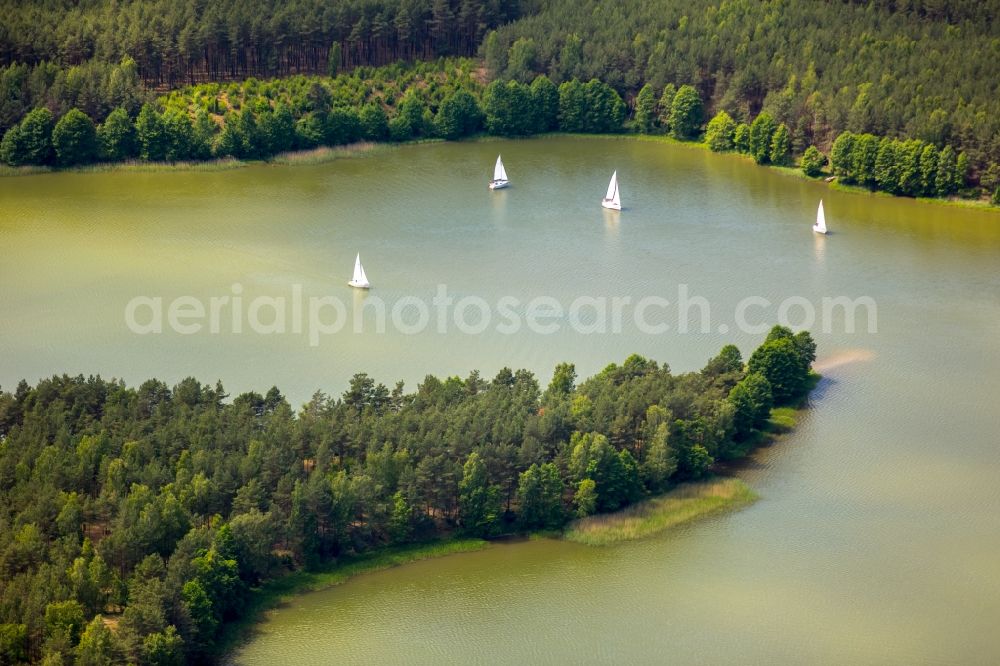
912 168
445 99
899 69
254 119
186 42
135 521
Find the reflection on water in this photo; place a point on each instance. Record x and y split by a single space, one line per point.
612 218
819 247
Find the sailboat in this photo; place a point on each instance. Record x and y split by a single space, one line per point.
820 226
360 280
613 199
500 180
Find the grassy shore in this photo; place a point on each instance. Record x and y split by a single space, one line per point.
683 504
283 589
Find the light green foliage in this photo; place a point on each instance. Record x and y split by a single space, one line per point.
605 110
343 126
478 500
681 505
495 54
928 170
164 648
697 462
539 496
401 522
813 162
908 167
841 155
521 61
508 109
947 180
729 360
781 146
572 103
752 400
117 137
886 167
75 139
65 618
459 116
151 134
545 100
589 107
645 109
660 460
30 142
570 58
563 382
784 360
585 498
97 645
374 122
720 133
761 134
276 130
685 113
615 474
180 136
741 138
13 643
961 170
411 112
666 104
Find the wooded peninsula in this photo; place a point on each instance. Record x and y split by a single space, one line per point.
894 96
136 522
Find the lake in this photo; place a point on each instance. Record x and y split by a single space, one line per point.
877 534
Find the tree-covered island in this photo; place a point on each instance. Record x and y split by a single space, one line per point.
136 522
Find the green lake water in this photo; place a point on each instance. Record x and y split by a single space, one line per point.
877 536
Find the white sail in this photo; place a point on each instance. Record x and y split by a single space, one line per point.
820 226
359 279
499 173
613 198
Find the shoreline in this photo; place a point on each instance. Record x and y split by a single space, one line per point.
279 591
684 504
325 154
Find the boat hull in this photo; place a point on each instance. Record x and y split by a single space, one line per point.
818 230
499 184
611 205
359 285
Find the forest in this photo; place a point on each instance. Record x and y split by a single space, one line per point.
135 522
899 71
902 69
177 43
